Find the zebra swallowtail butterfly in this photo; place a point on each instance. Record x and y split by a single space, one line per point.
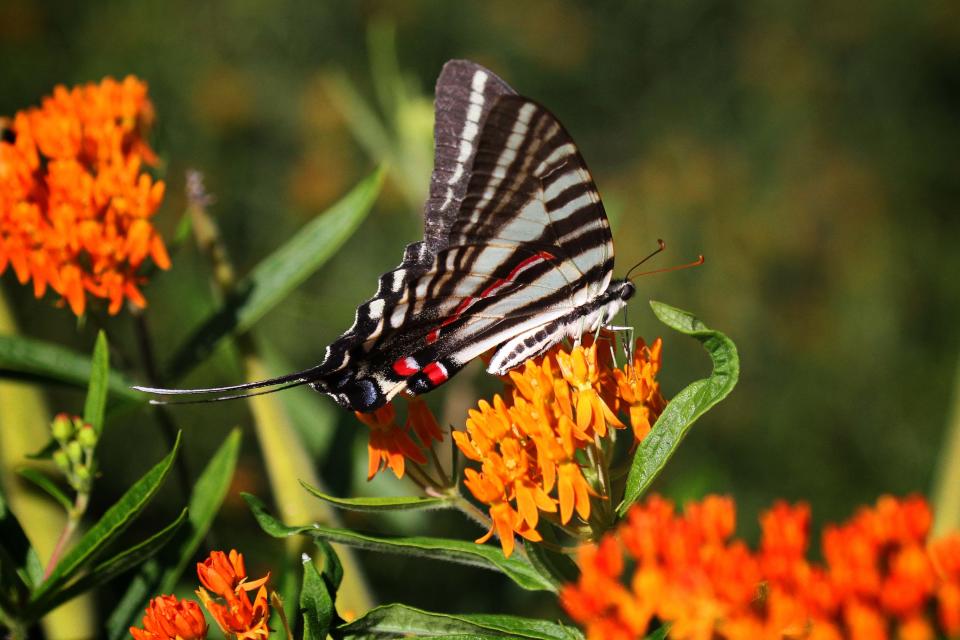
517 255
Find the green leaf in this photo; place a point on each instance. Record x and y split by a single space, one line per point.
96 403
45 361
516 567
279 274
16 557
395 503
332 567
113 522
554 566
316 602
685 407
401 621
108 569
160 575
48 485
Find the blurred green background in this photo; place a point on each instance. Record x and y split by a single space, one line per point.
807 149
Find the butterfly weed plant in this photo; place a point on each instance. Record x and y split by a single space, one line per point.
555 469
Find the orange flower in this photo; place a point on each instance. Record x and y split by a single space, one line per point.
689 573
423 422
226 576
534 444
74 201
170 619
389 444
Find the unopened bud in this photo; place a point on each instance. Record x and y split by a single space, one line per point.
74 451
87 437
62 460
62 427
83 474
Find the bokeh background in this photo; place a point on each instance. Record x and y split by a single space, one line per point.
807 149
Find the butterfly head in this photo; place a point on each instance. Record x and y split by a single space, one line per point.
622 289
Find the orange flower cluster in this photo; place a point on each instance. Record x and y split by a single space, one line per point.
75 204
531 445
390 444
239 619
880 579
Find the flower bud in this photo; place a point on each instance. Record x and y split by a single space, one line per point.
83 475
74 451
62 460
62 427
87 437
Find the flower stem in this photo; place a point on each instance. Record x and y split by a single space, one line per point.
419 475
472 512
69 528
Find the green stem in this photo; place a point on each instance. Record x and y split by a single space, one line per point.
472 512
73 521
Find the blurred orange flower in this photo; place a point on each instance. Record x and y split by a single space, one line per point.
170 619
226 576
880 578
75 203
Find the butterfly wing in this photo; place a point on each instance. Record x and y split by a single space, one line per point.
465 93
529 243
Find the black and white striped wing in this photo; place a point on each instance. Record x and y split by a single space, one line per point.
530 243
516 254
465 93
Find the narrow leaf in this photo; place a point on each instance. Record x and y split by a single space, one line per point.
517 567
316 603
279 274
113 522
397 620
96 403
160 575
108 569
48 485
688 405
395 503
48 362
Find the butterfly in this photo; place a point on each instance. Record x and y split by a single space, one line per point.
516 256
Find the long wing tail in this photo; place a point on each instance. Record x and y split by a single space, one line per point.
279 383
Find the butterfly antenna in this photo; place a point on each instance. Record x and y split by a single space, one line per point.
696 263
290 380
661 246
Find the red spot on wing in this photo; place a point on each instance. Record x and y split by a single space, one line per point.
433 335
406 367
436 372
